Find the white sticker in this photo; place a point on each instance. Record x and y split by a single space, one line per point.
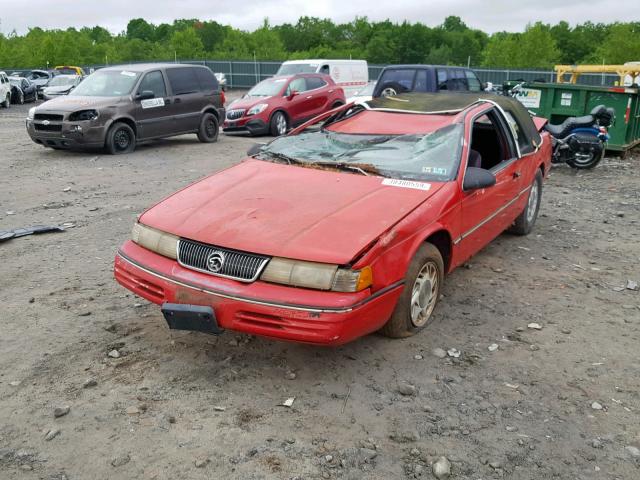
127 74
152 103
394 182
434 170
529 97
565 99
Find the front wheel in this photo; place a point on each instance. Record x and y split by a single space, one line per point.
208 131
120 139
7 101
527 219
420 295
21 99
278 125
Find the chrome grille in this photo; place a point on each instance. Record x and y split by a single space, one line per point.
234 114
223 262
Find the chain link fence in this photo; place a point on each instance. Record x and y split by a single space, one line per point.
245 74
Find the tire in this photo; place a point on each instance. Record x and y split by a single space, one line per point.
278 125
120 139
21 99
391 89
527 219
7 101
589 160
413 311
336 105
209 128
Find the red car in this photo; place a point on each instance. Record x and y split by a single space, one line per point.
326 235
279 103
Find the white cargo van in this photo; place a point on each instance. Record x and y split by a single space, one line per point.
351 75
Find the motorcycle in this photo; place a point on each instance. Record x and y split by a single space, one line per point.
579 141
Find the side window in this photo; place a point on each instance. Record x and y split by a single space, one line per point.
183 80
421 84
472 81
401 79
442 79
153 82
315 82
324 69
298 85
491 145
206 79
460 79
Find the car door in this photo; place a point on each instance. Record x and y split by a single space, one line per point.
300 104
318 94
487 212
153 115
186 98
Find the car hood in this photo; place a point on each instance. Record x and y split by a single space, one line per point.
287 211
72 103
58 89
247 103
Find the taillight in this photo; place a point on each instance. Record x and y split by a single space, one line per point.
223 99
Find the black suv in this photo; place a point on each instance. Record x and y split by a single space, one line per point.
119 107
397 79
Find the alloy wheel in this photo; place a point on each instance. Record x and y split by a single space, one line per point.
532 204
424 294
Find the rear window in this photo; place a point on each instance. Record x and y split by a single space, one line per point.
183 80
206 79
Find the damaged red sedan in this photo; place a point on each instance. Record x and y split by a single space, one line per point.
347 225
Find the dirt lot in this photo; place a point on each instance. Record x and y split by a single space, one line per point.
559 402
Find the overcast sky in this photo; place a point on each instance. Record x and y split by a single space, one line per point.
488 15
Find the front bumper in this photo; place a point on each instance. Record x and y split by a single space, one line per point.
259 308
246 126
66 135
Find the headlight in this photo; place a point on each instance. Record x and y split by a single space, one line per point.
32 112
159 242
320 276
259 108
83 115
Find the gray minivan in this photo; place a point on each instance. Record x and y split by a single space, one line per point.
119 107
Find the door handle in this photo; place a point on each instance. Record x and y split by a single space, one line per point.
310 96
167 101
177 100
516 175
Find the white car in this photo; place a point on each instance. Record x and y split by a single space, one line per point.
5 90
351 75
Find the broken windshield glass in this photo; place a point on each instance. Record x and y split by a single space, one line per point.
431 156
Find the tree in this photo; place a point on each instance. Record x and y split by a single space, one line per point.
187 44
621 45
140 29
535 48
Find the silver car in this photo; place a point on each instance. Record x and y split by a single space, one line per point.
60 85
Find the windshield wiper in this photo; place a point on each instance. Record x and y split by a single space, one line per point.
356 151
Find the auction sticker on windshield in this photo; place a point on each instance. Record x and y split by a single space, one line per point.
152 103
394 182
127 74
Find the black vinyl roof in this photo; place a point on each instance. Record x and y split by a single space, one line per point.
451 103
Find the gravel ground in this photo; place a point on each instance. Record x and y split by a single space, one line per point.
561 401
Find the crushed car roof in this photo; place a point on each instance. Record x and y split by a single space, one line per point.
443 103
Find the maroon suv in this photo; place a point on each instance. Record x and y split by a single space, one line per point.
278 103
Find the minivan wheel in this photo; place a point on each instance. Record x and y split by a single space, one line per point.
279 124
208 131
120 139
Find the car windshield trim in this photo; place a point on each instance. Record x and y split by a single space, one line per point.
432 156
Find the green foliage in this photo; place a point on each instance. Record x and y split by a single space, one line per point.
452 42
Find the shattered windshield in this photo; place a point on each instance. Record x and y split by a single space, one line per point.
431 156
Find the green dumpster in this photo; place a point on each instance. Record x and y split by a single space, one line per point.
557 101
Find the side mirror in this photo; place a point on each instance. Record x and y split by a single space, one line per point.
145 95
254 149
293 94
477 178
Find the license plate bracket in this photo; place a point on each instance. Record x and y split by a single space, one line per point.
195 318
